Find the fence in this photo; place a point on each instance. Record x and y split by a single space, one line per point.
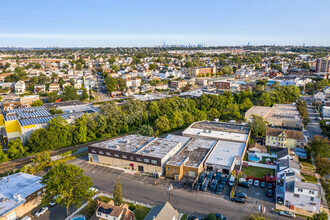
70 217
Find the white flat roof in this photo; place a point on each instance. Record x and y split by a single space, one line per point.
216 134
22 184
158 148
224 153
129 143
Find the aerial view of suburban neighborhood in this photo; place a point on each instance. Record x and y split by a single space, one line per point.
123 110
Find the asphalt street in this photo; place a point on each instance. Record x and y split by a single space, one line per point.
313 126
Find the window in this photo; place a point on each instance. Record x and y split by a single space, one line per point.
39 192
296 195
273 142
116 155
108 153
44 189
124 156
131 157
138 159
93 151
312 198
146 160
101 152
311 192
276 138
174 169
168 168
100 213
272 138
154 161
300 190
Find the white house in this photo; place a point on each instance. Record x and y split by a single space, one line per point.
326 91
20 87
326 112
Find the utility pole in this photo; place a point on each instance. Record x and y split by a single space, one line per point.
170 187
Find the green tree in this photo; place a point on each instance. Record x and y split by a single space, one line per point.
85 95
211 216
162 123
213 114
15 149
257 216
146 130
305 66
3 156
246 105
79 66
69 93
37 103
319 216
319 146
68 184
52 96
117 195
258 126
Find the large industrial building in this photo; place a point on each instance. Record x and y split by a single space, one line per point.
280 115
144 154
22 122
19 194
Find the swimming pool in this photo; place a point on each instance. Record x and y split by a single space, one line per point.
255 159
79 218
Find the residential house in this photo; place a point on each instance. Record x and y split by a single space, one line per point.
54 87
326 91
177 85
78 85
326 112
109 211
163 212
136 82
319 96
20 87
284 138
39 88
66 84
284 167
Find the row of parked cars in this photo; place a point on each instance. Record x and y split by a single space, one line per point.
270 187
215 182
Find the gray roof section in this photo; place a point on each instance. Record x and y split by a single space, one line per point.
309 186
162 212
25 113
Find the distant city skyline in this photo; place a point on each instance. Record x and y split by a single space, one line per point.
148 23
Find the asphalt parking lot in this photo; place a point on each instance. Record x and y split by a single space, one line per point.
114 173
255 194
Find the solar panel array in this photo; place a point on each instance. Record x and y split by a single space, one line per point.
41 120
26 113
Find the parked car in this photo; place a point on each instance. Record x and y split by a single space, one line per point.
269 193
250 181
210 176
213 185
220 188
269 186
241 195
224 180
220 217
238 200
262 184
256 183
231 180
287 214
244 184
26 218
205 185
53 202
202 177
218 176
197 186
41 211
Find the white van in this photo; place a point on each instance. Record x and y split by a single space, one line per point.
231 180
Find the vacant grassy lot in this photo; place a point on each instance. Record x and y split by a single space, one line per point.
310 179
258 172
184 217
141 212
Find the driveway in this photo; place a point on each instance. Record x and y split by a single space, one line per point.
313 126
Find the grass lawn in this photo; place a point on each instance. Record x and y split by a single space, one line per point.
141 212
184 217
310 179
258 172
307 164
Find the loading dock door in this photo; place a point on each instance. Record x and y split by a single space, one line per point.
140 168
192 174
95 158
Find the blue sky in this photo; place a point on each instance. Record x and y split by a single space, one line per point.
108 23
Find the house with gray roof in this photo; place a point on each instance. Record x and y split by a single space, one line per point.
163 212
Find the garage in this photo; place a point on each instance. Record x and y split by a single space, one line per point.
192 174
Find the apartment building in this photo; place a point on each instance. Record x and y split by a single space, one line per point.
54 87
230 86
26 101
323 64
39 88
197 71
